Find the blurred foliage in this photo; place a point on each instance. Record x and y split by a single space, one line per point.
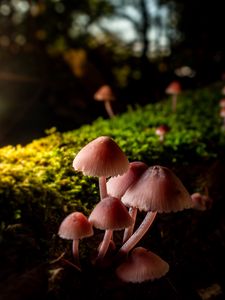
183 37
39 186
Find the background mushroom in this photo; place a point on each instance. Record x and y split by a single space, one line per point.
201 202
161 132
222 115
173 89
105 94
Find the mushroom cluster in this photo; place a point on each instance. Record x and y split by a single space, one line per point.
126 188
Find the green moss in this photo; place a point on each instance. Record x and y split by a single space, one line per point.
37 181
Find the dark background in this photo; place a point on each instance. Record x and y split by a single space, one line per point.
48 76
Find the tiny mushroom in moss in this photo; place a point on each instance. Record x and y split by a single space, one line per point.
103 158
161 131
109 214
157 190
173 89
117 186
142 265
75 227
106 95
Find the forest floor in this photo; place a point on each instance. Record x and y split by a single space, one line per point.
191 241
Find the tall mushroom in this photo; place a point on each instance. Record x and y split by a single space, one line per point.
103 158
105 94
109 214
142 265
173 89
157 190
75 227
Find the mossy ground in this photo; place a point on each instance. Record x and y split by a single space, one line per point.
38 188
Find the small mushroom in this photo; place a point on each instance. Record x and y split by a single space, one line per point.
142 265
173 89
161 131
109 214
75 227
222 103
201 202
103 158
105 94
222 115
157 190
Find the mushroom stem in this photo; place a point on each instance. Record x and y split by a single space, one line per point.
129 231
174 102
108 108
102 187
139 233
105 244
75 251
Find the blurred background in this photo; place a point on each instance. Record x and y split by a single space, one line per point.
55 54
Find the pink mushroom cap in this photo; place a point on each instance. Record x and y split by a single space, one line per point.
104 93
101 157
162 130
142 265
222 102
158 189
110 213
222 112
173 88
75 226
117 186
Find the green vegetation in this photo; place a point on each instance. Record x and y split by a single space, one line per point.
38 184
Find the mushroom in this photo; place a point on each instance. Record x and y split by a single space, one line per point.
101 157
201 202
157 190
222 115
109 214
75 227
142 265
222 102
161 132
105 94
117 186
173 89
